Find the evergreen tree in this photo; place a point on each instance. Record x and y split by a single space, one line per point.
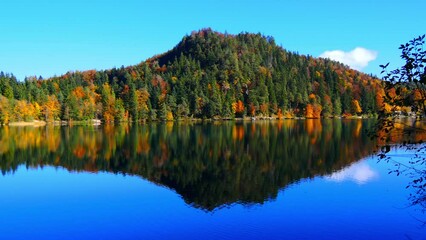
206 75
133 105
337 110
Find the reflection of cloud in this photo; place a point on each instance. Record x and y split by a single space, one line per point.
359 173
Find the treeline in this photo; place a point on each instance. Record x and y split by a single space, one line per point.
207 75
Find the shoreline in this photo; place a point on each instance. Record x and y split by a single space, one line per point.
97 122
25 124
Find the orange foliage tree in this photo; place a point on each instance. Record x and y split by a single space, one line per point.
280 113
309 111
252 110
356 107
238 108
24 111
264 108
313 111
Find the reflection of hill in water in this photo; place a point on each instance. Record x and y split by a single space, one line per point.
209 165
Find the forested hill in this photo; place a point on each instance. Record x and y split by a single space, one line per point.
207 75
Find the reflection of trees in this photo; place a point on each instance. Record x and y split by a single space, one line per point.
405 89
414 169
208 164
407 135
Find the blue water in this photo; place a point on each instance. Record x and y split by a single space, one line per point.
361 201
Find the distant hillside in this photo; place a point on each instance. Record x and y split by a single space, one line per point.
207 75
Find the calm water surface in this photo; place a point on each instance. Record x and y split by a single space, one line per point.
266 180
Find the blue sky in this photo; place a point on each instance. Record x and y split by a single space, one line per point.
40 37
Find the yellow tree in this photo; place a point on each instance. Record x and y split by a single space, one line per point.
83 102
356 107
108 103
142 96
89 101
51 108
24 111
4 110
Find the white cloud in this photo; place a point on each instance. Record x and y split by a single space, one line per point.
356 59
359 173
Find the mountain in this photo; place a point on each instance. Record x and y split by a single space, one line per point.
206 75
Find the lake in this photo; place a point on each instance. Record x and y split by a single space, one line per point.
292 179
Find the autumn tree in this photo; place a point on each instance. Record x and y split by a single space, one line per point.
410 76
91 97
238 108
356 107
142 97
108 103
313 110
51 108
207 75
4 110
309 111
25 111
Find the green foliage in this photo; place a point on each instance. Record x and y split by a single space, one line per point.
5 110
204 76
411 75
337 111
406 89
119 111
183 109
133 105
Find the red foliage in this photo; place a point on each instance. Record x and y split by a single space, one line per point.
252 110
89 76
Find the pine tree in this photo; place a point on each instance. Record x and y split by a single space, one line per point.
133 104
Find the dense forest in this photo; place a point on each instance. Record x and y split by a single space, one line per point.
207 75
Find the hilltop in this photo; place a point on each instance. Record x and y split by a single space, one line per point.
206 75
